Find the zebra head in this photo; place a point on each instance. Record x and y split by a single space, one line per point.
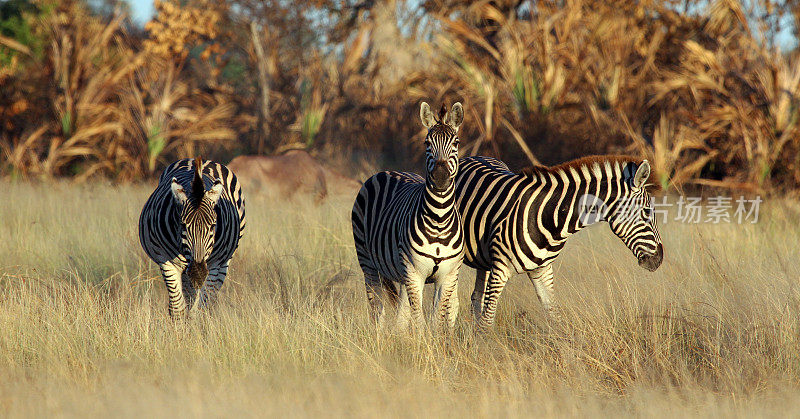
198 220
631 217
441 145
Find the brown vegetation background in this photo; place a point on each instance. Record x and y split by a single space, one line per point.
702 89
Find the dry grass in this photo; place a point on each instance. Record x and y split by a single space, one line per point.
84 327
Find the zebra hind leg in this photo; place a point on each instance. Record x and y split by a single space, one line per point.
477 293
497 281
374 288
542 279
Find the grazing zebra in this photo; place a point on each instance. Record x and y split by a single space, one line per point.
516 223
191 226
407 231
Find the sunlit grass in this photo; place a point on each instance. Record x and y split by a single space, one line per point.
84 326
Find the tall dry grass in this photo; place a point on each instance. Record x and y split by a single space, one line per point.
84 327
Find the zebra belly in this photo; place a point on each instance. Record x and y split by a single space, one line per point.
432 269
417 262
477 255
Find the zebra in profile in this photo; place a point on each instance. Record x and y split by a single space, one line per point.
516 223
407 231
191 226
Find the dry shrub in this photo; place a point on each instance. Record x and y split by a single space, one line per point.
176 28
740 98
699 95
700 90
79 131
106 106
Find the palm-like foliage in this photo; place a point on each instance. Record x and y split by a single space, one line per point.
699 90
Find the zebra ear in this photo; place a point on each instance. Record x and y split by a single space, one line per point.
426 115
456 116
177 192
215 192
642 174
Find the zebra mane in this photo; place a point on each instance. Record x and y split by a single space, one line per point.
198 188
442 113
580 162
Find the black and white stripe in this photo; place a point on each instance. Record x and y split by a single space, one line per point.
407 231
516 223
191 226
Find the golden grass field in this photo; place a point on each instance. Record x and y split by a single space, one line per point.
84 328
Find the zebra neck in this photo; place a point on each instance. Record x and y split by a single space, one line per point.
438 208
564 202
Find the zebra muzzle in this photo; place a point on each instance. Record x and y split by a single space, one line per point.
652 262
197 273
440 175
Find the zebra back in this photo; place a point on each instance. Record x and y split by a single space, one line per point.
525 218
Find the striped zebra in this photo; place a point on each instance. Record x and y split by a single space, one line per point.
191 226
516 223
407 231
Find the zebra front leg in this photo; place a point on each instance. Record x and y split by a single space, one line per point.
477 293
189 292
497 281
207 295
172 271
413 286
542 279
445 304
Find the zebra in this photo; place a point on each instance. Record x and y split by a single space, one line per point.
516 223
407 231
191 226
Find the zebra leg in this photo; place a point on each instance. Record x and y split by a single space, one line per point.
403 318
477 293
189 293
172 272
207 295
445 303
374 287
497 281
375 298
542 279
413 288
